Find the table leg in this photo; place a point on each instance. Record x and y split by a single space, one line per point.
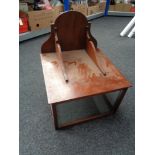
119 99
117 102
113 109
54 111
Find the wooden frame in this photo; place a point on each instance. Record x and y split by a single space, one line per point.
75 68
113 109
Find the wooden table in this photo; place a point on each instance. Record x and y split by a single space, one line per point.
85 79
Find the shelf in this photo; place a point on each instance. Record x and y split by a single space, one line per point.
29 35
97 15
119 13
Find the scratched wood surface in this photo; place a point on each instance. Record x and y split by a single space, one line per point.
85 79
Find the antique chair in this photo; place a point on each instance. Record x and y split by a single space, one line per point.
75 68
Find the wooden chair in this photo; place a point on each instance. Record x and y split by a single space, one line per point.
75 68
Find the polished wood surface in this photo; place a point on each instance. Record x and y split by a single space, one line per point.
71 30
112 109
91 50
85 79
60 57
61 62
75 68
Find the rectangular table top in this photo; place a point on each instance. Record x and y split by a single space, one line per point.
85 78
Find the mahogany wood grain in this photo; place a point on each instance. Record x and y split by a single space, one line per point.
49 45
119 99
55 118
71 53
91 50
79 121
85 77
112 110
60 57
61 62
91 38
71 30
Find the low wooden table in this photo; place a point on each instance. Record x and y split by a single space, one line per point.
85 79
75 68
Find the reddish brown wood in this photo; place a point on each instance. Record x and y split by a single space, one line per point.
112 110
71 53
60 57
54 112
79 121
91 50
60 60
91 38
119 99
85 79
71 30
49 45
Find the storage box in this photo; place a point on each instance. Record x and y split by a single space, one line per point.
93 9
23 25
80 8
112 8
102 6
127 7
120 7
43 18
59 9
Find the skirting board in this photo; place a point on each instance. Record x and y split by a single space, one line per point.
118 13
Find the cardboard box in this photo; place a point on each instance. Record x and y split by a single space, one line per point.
93 9
80 8
59 9
120 7
102 6
112 8
127 7
43 18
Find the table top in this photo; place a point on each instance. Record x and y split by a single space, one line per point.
85 78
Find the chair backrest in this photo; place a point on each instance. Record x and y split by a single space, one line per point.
71 28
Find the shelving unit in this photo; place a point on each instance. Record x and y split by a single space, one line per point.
33 34
106 13
29 35
119 13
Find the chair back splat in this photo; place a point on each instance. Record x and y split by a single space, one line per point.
71 28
